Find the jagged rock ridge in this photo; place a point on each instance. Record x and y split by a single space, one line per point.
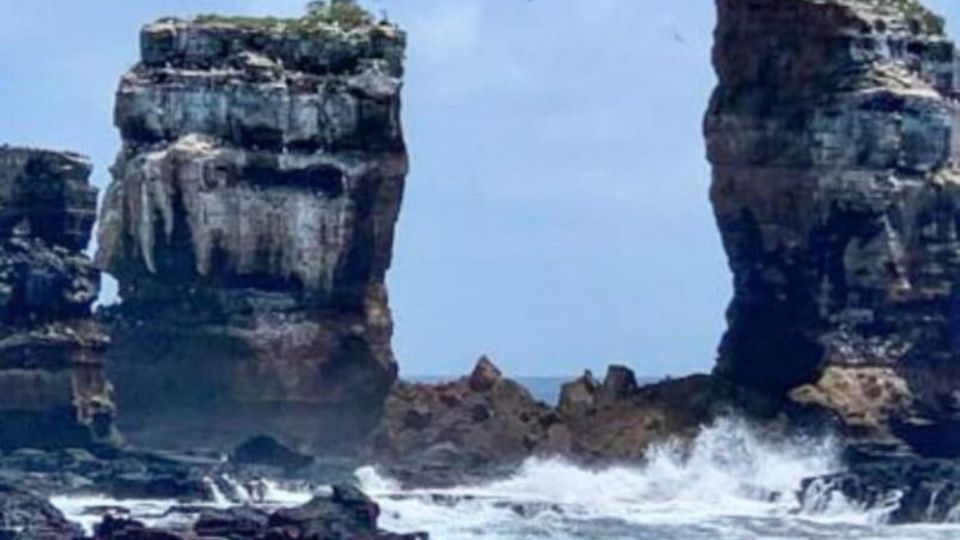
250 226
834 135
52 388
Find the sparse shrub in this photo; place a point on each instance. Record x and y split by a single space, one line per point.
343 14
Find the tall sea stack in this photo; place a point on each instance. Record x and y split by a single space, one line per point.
250 225
52 389
834 136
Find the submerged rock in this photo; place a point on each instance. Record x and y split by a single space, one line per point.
52 388
834 135
250 226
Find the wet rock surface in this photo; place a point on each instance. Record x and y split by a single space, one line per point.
267 451
25 516
905 490
346 514
52 388
833 136
250 226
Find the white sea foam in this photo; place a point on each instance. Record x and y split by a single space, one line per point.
731 484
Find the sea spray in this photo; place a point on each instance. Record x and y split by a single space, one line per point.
729 470
731 482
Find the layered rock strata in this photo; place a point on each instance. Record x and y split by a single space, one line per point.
250 225
834 135
52 387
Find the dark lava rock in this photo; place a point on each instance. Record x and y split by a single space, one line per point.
112 528
111 471
435 434
485 425
24 516
619 420
347 514
235 523
264 450
913 490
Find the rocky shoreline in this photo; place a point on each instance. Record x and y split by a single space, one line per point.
250 225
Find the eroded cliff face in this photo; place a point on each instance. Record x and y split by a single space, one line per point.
52 388
834 135
250 225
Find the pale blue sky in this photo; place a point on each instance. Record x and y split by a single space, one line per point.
556 215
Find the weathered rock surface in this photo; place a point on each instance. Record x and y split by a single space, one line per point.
617 420
834 135
52 388
24 516
346 514
485 424
907 490
444 433
250 226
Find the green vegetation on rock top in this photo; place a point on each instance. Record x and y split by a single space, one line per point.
343 14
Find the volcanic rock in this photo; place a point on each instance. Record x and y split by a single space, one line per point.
619 420
52 388
438 433
250 225
907 490
24 516
263 450
347 514
834 135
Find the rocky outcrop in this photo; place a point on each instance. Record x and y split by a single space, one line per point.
346 514
834 135
617 420
250 226
904 490
25 516
52 388
486 424
444 433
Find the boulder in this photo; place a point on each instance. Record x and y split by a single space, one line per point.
24 516
263 450
347 514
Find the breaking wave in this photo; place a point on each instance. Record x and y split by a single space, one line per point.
731 483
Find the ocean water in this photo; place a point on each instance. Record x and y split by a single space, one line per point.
732 486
